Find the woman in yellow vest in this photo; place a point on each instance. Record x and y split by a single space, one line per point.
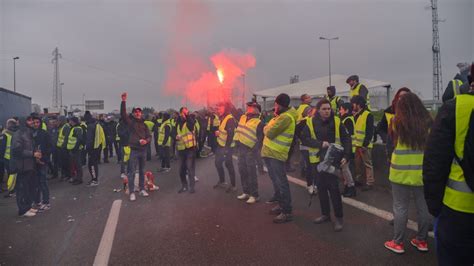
225 145
409 131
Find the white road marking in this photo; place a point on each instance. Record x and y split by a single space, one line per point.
357 204
105 246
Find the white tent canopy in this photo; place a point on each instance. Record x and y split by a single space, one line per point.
317 87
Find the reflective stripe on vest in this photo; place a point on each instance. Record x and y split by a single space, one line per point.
359 130
457 194
246 132
314 152
456 83
282 142
72 140
188 140
355 92
222 138
351 118
7 155
161 136
300 111
406 166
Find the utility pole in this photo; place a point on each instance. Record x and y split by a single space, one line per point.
437 76
14 72
243 92
329 48
57 94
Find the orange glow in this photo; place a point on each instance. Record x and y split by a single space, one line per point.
220 75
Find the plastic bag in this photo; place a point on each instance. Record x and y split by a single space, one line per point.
332 160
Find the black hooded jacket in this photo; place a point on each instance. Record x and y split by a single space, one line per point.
137 128
22 149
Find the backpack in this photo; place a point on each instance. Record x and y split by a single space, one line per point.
467 162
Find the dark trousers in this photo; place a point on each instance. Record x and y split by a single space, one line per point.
165 156
54 164
34 181
306 168
328 187
93 163
137 160
224 155
277 173
75 158
212 141
187 166
108 150
247 170
148 152
118 150
23 194
454 232
42 193
157 148
65 163
2 173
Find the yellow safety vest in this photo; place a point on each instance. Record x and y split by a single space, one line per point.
355 92
406 166
126 153
117 137
300 111
313 152
359 130
161 136
149 125
282 142
72 140
351 118
61 136
43 126
456 83
246 132
99 138
457 194
188 140
208 124
222 138
7 155
216 122
333 103
388 117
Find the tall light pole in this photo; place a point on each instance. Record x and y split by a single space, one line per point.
329 46
14 72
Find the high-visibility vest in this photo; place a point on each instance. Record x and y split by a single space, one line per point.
313 152
161 136
7 155
355 92
197 126
282 142
300 111
333 101
359 130
457 194
246 132
388 117
173 122
99 138
117 137
216 122
72 140
222 138
61 136
149 125
208 124
351 118
187 140
43 126
456 83
406 166
126 153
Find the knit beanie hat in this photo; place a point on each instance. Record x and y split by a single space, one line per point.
283 99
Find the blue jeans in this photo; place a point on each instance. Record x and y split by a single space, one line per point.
277 172
137 159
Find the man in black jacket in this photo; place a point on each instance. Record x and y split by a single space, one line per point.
124 155
138 140
94 143
42 143
459 84
324 128
22 163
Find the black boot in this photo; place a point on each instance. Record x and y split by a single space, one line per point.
350 192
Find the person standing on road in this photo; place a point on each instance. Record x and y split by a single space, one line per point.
61 145
335 100
75 146
409 131
95 143
345 112
364 131
249 138
225 143
449 180
151 125
139 137
304 111
279 134
186 143
5 150
23 156
42 143
358 89
320 131
53 132
123 136
164 142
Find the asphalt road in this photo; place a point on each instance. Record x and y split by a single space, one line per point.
208 227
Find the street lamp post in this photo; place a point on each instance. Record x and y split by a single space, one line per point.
14 72
329 46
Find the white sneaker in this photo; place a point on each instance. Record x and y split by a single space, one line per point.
29 213
243 196
132 197
123 176
252 200
143 193
312 190
33 210
196 179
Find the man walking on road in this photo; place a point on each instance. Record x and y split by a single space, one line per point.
139 137
186 143
95 143
225 141
75 146
279 134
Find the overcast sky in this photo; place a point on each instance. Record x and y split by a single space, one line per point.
114 46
